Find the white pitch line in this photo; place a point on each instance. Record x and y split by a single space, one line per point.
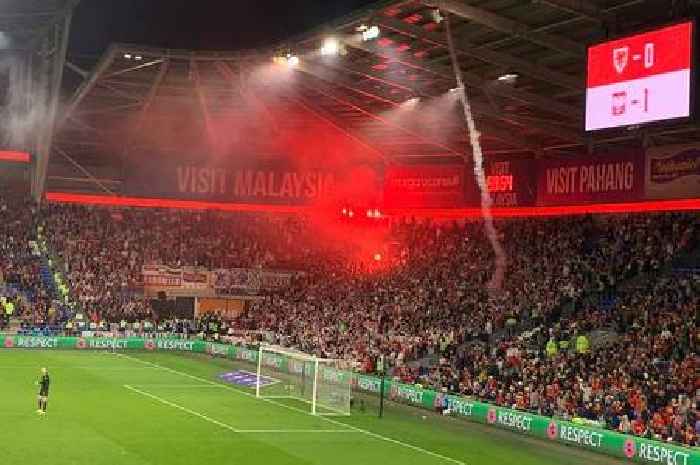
338 423
181 386
225 425
184 409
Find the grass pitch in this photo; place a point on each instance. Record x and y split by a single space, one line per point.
170 409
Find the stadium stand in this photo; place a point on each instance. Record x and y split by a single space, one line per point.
592 322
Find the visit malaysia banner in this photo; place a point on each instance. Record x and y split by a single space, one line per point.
608 178
673 172
265 183
510 183
424 186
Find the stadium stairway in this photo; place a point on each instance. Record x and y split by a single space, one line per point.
47 278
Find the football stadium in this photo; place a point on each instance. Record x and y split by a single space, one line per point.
342 232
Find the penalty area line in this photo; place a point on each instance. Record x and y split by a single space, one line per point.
180 407
289 407
225 425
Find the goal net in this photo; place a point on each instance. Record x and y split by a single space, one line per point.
322 384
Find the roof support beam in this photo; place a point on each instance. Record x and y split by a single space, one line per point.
487 55
59 41
337 80
152 92
483 109
509 26
249 97
136 68
323 115
201 98
473 80
87 85
85 171
488 128
584 8
478 106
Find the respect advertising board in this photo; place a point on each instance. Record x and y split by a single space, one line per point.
610 178
572 433
673 172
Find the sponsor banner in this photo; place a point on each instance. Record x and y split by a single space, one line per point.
161 276
237 281
195 278
510 183
270 184
673 172
424 186
629 447
600 179
167 277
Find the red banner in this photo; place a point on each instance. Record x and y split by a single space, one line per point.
424 186
14 156
605 179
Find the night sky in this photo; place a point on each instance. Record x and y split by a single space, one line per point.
198 24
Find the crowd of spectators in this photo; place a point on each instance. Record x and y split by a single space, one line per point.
428 311
22 293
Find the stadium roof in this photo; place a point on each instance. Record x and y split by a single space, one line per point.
538 114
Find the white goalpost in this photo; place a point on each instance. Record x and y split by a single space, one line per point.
322 384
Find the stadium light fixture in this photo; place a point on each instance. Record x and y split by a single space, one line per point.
330 47
370 33
289 59
410 103
508 78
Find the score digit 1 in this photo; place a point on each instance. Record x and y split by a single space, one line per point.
646 100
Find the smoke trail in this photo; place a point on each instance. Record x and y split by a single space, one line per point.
486 202
25 102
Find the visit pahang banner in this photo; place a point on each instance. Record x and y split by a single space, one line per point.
609 178
424 186
673 172
599 440
270 183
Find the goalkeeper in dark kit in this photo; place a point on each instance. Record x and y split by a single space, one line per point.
43 383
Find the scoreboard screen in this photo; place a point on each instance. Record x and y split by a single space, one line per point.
640 78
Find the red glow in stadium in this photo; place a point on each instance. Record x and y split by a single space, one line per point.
630 207
14 156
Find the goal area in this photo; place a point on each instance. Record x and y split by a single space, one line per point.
324 385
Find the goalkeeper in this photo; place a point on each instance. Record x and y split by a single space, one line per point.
43 384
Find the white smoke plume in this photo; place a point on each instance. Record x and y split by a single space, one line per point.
23 100
486 202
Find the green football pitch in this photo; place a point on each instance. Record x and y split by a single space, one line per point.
168 409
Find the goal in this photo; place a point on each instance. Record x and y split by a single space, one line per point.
321 384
